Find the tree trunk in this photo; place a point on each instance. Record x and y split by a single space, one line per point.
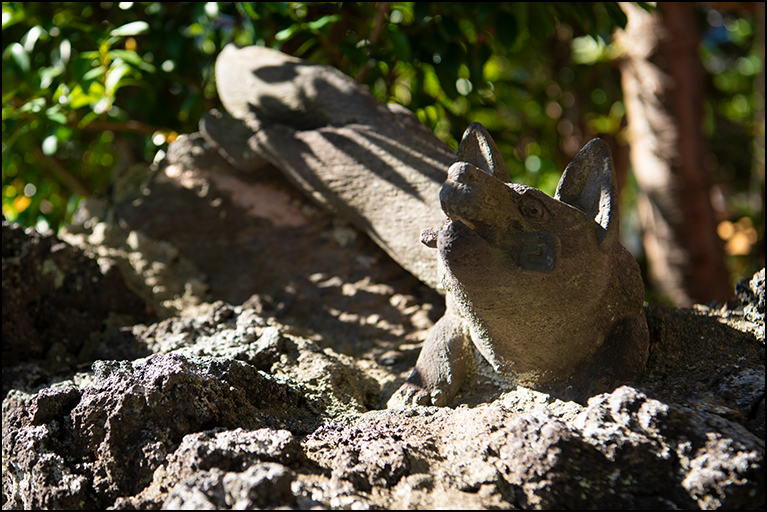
663 88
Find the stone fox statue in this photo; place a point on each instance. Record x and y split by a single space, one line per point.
539 286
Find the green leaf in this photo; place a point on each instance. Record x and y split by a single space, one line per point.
116 73
284 35
20 55
30 38
9 96
8 113
89 55
12 14
248 8
133 58
48 74
93 73
399 43
55 115
308 44
58 117
64 133
79 98
131 29
323 22
87 118
35 105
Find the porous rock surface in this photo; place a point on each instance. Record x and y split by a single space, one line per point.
255 370
264 384
59 305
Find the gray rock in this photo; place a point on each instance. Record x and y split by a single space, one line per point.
751 294
122 428
597 459
238 469
261 486
195 150
58 303
181 430
229 136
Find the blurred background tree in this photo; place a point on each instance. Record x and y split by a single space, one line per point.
91 88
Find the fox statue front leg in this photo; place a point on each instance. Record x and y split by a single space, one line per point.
444 362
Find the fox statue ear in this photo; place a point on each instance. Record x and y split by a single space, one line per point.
478 148
589 184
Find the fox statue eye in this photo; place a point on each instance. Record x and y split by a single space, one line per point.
532 209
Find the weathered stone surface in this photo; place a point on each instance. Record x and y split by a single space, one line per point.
195 150
57 302
229 136
261 486
751 294
238 469
597 459
194 235
182 430
110 436
376 166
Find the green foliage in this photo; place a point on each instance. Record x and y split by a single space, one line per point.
89 88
